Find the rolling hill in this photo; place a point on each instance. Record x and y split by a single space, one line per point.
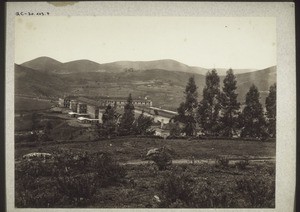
167 64
164 87
30 82
77 66
45 64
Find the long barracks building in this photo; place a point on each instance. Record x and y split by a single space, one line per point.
83 106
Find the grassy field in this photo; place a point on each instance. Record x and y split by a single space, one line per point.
26 104
133 148
215 186
222 181
144 185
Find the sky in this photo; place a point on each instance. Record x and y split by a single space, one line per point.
208 42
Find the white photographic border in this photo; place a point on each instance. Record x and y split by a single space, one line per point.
284 12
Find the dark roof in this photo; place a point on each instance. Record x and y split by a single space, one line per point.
157 111
164 114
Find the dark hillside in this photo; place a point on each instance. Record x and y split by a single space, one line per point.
38 84
164 87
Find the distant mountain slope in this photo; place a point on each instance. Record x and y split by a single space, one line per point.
263 79
39 84
164 87
43 64
80 65
167 64
222 71
47 64
77 66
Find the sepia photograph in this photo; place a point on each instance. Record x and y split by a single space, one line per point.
132 111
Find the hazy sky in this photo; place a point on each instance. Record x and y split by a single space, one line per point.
195 41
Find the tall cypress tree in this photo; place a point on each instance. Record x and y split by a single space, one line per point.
110 114
109 120
127 119
229 105
271 111
187 109
252 118
209 106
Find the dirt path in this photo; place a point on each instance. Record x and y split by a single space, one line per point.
196 162
202 161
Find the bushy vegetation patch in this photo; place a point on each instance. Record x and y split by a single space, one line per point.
222 162
257 192
162 158
242 164
180 189
69 179
205 187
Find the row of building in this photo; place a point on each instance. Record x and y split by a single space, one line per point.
86 109
74 102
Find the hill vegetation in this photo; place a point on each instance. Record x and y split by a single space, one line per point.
161 80
49 64
31 82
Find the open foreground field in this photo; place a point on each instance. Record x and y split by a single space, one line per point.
133 148
206 183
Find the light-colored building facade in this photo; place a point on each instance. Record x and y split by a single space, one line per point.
73 105
121 102
94 109
61 102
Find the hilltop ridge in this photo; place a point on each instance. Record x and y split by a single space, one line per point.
84 65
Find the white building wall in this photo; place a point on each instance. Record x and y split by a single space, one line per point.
100 117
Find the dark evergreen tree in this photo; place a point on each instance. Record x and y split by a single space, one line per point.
174 129
209 106
110 114
142 124
271 111
252 118
229 106
109 120
187 109
127 120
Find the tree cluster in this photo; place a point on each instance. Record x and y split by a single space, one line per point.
219 113
124 124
